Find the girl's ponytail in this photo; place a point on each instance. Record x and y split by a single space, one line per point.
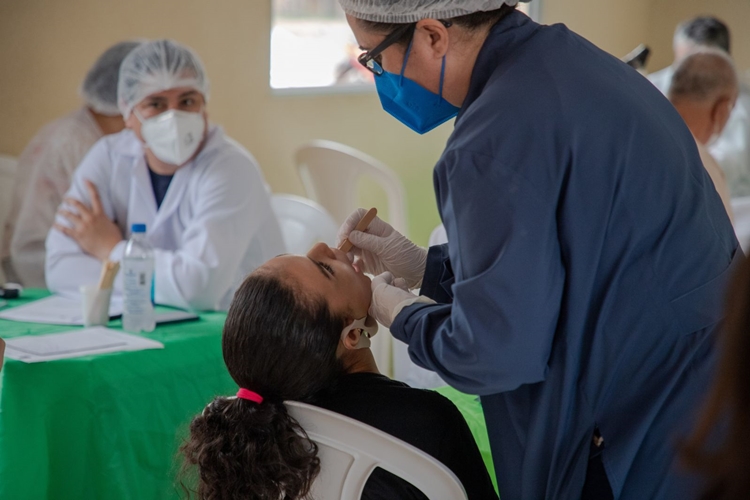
247 450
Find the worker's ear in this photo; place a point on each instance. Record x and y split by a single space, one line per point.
435 34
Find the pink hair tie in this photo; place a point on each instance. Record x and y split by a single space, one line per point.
250 395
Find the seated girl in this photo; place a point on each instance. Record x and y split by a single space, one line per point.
296 331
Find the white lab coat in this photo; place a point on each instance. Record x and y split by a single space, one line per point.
717 176
45 169
662 79
732 149
214 226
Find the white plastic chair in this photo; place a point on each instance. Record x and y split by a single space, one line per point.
303 222
438 236
8 165
350 450
330 172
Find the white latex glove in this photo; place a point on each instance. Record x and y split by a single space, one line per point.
382 249
389 297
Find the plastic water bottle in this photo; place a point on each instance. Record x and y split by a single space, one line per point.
138 275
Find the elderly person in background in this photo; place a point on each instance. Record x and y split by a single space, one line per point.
201 195
46 167
704 91
732 148
698 33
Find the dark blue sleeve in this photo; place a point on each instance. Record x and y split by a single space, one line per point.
497 332
438 275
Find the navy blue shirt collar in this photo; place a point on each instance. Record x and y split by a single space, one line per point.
503 39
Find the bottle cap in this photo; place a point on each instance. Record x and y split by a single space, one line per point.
138 228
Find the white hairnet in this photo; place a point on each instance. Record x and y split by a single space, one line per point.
99 88
157 66
410 11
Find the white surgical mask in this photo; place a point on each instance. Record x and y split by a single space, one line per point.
173 136
367 326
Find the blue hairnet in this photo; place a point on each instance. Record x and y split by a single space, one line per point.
409 11
157 66
99 88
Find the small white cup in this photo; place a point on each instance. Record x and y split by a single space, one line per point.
95 305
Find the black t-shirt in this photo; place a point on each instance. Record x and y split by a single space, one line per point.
160 184
424 419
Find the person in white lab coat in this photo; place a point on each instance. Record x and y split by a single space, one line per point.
201 195
46 167
732 148
704 91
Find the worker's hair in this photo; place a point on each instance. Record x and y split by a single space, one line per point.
704 31
725 461
282 345
470 22
704 75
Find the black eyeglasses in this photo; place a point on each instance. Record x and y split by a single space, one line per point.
371 59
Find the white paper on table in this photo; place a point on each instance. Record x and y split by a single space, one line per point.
75 344
55 310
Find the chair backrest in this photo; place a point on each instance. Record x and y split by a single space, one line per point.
350 450
303 222
8 166
438 236
330 171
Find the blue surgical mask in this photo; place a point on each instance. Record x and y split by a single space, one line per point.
410 103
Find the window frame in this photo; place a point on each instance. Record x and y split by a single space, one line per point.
535 12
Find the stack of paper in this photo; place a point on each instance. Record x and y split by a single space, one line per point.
55 310
74 344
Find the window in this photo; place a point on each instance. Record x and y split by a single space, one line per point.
533 9
313 47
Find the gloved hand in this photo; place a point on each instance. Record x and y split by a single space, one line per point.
382 249
389 297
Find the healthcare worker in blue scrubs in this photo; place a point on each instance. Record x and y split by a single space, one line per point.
581 288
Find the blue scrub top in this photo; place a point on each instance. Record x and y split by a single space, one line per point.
160 184
585 270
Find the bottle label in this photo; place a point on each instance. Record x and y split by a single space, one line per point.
138 287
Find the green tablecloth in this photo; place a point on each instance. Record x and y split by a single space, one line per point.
105 426
108 426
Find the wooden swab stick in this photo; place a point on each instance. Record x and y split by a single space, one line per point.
103 274
109 272
347 245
